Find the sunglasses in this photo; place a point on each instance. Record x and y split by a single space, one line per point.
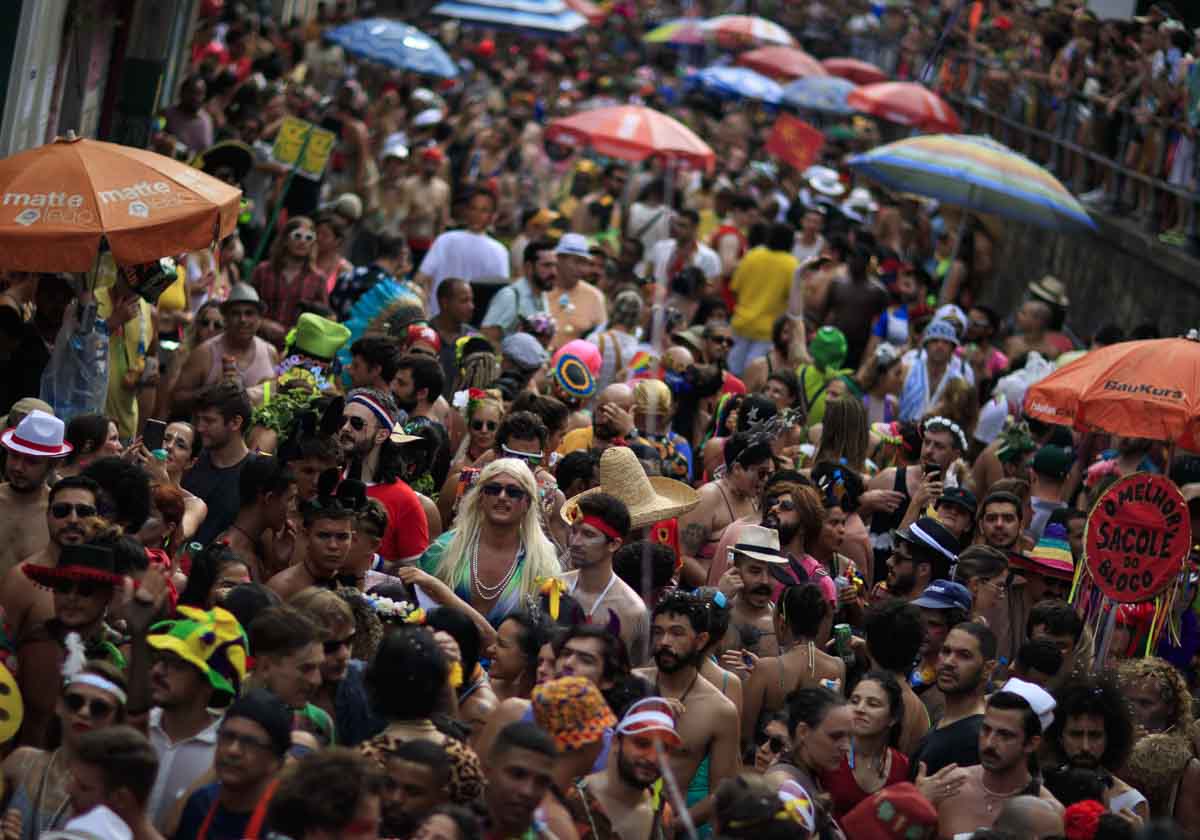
82 588
728 342
97 709
302 236
513 492
356 423
480 425
332 646
216 325
61 510
774 743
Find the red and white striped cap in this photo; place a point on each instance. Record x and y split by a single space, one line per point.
651 716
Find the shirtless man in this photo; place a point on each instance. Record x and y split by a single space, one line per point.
1010 734
748 465
26 605
600 527
428 202
267 491
327 532
708 723
1033 323
32 448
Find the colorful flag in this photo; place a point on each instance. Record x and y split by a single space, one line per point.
795 142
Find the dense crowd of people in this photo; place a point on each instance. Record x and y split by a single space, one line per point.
494 489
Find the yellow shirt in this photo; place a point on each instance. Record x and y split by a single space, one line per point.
126 362
761 283
576 440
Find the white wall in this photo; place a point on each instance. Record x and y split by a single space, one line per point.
30 96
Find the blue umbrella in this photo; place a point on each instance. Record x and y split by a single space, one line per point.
395 44
826 94
738 83
551 17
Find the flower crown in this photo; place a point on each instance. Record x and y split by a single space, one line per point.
945 423
396 612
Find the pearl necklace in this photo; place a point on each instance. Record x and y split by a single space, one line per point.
490 593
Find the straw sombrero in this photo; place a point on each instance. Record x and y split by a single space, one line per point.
649 499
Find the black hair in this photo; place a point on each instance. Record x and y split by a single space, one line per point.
553 412
534 248
894 634
261 475
86 433
685 604
1075 784
206 568
390 247
810 706
895 697
1040 655
616 658
746 450
322 792
426 753
1064 516
523 735
378 351
838 485
688 213
982 634
781 237
427 374
1097 696
609 509
803 607
1109 334
576 466
1010 701
632 560
446 288
403 677
535 632
787 379
466 822
464 631
247 601
719 617
524 425
124 757
755 409
74 482
227 398
1058 617
124 491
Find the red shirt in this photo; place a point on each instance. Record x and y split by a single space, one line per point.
282 299
843 788
407 534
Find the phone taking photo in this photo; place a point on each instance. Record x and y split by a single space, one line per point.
152 434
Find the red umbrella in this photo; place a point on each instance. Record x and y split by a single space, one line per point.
859 72
632 132
906 103
782 63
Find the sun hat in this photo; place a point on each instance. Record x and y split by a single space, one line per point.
573 710
394 149
758 543
1052 555
828 348
524 349
649 499
940 330
100 823
652 396
650 716
212 641
945 595
21 409
824 180
1040 700
269 712
1050 290
347 205
317 337
243 293
76 562
896 812
543 216
228 153
39 434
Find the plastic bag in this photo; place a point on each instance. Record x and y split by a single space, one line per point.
75 381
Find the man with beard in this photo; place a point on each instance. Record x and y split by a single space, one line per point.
754 556
922 552
32 448
708 727
616 803
373 361
520 773
599 527
1093 730
417 781
267 492
70 502
524 297
1009 736
944 604
418 384
367 428
964 668
718 341
188 120
221 416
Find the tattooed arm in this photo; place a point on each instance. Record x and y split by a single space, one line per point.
695 528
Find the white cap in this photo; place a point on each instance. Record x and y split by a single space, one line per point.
100 823
428 117
1037 697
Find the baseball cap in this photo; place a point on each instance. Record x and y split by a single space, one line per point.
960 496
945 595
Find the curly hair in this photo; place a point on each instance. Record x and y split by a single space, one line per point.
1172 688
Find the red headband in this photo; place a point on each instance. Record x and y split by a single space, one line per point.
600 525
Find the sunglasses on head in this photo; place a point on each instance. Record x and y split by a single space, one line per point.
97 708
480 425
82 588
512 491
774 743
356 423
61 510
301 235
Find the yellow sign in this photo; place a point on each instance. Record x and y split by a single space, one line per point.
290 140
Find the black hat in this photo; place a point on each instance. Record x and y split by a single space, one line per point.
77 562
228 153
960 496
929 534
269 712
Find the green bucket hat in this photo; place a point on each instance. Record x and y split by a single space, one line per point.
317 337
828 348
211 641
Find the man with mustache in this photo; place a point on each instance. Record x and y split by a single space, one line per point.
1093 730
25 605
755 556
1009 736
708 726
616 803
32 448
599 527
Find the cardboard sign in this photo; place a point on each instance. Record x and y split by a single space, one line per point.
1138 536
290 140
795 142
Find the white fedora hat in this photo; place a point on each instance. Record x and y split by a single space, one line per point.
759 543
39 434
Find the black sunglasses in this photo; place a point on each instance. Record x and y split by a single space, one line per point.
97 708
83 588
334 645
61 510
356 423
480 425
774 743
718 339
513 492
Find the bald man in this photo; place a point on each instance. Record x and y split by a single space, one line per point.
1033 326
1030 818
612 422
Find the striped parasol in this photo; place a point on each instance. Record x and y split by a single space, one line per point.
978 174
747 30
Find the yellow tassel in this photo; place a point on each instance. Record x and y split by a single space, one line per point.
553 588
456 674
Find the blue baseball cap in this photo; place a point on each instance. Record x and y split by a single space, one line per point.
945 595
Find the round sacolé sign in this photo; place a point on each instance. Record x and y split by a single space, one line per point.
1138 535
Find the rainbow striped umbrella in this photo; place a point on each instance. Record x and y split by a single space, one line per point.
684 31
978 174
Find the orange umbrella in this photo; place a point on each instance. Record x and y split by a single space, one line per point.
59 200
859 72
906 103
632 132
1148 389
782 63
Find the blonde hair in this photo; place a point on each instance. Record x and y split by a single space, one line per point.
959 402
541 558
845 434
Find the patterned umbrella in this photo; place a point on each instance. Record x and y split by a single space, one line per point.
738 83
747 30
978 174
396 45
906 103
782 62
825 94
683 32
632 132
859 72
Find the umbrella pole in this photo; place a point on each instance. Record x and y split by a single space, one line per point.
958 240
248 268
659 325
